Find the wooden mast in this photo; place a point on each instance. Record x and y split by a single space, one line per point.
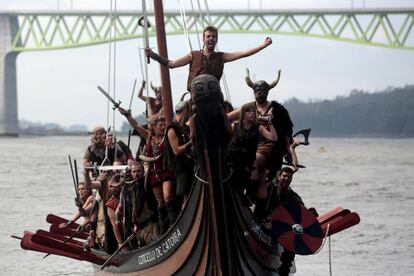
164 71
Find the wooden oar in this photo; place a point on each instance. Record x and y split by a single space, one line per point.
54 219
68 239
117 251
54 228
40 243
59 237
341 223
338 211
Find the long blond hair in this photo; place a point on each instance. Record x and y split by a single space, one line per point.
153 120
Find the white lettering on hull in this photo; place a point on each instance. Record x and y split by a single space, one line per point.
260 234
167 245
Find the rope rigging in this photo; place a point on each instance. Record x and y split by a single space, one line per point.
114 71
108 88
184 22
109 81
146 45
111 75
330 256
196 22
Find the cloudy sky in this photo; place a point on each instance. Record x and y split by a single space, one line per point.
60 86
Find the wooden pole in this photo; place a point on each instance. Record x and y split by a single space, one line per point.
162 50
117 251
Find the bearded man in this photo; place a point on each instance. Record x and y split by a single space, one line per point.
207 60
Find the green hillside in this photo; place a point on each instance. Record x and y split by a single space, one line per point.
388 113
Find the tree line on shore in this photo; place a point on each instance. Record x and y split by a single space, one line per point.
388 113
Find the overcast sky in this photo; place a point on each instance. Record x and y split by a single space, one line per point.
60 86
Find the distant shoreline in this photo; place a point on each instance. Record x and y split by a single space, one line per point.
26 134
388 114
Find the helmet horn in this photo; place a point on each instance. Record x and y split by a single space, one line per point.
248 80
276 81
154 87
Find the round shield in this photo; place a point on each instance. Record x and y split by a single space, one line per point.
296 229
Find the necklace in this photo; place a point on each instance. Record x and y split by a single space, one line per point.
262 110
156 143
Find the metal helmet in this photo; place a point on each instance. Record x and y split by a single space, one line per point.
261 84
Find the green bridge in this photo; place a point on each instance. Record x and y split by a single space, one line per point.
37 31
379 27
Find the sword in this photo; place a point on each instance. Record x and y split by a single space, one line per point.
291 164
143 22
132 96
116 104
108 168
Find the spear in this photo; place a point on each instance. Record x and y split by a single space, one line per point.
117 251
73 177
129 138
76 177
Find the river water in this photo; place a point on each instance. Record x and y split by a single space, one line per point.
374 177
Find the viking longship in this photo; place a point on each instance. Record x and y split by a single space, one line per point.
216 233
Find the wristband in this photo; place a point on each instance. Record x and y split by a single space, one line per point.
161 60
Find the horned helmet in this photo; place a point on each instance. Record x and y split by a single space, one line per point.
261 88
157 90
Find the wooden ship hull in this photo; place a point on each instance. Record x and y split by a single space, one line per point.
192 246
189 247
215 234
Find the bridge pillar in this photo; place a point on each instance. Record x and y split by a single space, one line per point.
9 125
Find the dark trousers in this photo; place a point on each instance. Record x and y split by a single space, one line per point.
286 260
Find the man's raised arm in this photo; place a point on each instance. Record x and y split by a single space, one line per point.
227 57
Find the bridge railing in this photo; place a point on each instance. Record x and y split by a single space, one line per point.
393 28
